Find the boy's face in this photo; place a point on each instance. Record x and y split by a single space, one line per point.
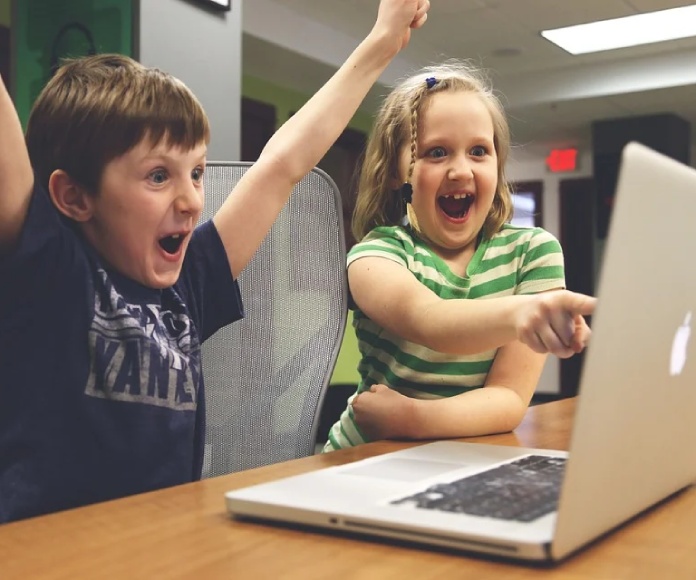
145 211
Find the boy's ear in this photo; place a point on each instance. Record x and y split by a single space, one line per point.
69 197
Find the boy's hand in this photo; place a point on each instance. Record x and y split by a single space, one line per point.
396 18
552 322
382 413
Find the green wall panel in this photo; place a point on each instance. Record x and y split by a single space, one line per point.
47 29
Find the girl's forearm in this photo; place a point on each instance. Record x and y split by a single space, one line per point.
469 326
479 412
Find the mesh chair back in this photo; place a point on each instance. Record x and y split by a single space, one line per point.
267 374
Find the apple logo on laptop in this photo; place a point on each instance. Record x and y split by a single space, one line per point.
679 344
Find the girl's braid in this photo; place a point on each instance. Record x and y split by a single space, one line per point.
407 188
415 106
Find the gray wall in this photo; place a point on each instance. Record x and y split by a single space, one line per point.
203 48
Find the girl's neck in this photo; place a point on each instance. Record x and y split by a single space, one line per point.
457 260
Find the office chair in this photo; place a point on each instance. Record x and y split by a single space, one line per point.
266 375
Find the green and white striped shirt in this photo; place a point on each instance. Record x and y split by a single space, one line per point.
516 260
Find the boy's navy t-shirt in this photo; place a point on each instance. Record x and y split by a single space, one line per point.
101 393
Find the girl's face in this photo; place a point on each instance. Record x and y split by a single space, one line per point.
456 172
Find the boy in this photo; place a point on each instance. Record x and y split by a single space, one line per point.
107 290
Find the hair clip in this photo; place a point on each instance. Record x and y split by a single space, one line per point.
431 82
406 192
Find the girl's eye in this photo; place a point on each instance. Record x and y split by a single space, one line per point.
479 151
197 174
158 176
437 152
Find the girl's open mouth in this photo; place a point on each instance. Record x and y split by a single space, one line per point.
456 206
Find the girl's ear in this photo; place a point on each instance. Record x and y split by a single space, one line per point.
69 197
395 182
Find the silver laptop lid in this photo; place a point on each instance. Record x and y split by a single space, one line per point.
632 441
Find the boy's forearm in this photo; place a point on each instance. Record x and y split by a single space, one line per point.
245 217
294 150
302 141
16 177
479 412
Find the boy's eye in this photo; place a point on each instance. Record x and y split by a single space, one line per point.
158 176
197 174
479 151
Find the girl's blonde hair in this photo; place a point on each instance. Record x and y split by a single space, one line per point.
396 126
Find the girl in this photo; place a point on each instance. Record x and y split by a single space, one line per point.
456 310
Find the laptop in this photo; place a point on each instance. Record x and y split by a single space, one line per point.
632 439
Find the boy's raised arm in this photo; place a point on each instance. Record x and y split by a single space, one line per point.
245 217
16 176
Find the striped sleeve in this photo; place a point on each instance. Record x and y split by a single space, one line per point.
542 267
382 242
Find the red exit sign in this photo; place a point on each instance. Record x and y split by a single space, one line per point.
560 160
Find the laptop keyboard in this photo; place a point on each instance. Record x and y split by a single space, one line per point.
522 490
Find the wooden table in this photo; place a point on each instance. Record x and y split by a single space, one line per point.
184 532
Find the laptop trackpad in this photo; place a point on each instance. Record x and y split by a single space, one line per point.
401 469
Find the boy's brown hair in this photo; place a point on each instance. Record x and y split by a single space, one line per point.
96 108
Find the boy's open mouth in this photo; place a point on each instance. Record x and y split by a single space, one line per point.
171 244
456 206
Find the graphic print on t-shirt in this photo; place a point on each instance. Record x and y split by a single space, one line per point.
141 353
